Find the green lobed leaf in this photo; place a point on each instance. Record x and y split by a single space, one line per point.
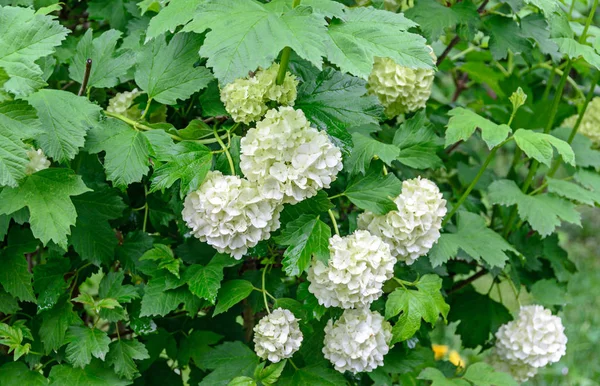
85 342
482 374
462 125
365 149
65 120
366 33
25 37
261 32
122 355
55 323
543 212
374 191
176 13
305 236
475 239
539 146
505 35
113 11
418 143
18 374
205 282
165 258
47 196
161 297
573 49
231 293
108 64
229 360
95 374
49 283
13 152
167 72
549 292
8 304
439 379
433 17
572 191
314 375
14 275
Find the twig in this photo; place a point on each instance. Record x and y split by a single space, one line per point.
462 284
86 76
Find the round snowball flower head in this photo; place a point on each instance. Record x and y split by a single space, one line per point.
289 160
37 161
520 371
284 94
277 336
590 124
358 266
229 213
536 337
357 341
121 102
414 227
244 100
400 89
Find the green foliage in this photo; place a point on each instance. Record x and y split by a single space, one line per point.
102 282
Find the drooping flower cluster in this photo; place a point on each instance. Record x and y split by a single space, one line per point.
358 266
357 341
37 161
590 124
277 336
288 159
400 89
533 340
246 99
414 227
229 214
122 102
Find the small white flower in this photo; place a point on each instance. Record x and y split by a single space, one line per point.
357 341
590 124
400 89
414 227
289 160
229 213
354 275
535 338
520 371
121 102
277 336
37 161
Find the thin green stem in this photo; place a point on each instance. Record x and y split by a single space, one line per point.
588 22
335 225
227 154
293 364
571 81
512 285
482 169
337 196
146 109
146 209
264 291
285 56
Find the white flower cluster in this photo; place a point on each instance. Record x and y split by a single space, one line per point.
37 161
590 124
357 341
520 371
289 160
414 227
533 340
358 266
277 336
229 213
400 89
121 102
246 99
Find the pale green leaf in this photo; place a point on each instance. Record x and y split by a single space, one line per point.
24 38
374 191
47 196
367 33
573 49
549 292
572 191
539 146
165 258
231 293
462 125
475 239
108 64
483 374
167 72
439 379
305 236
176 13
543 212
261 32
85 342
242 381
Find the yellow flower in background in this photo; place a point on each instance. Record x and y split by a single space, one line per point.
456 359
439 351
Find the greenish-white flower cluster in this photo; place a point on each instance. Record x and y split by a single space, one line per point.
229 213
533 340
414 227
122 102
37 161
400 89
277 336
590 124
357 341
246 99
287 158
353 277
